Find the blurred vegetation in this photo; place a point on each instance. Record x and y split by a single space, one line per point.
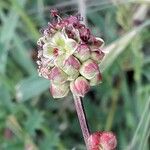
29 117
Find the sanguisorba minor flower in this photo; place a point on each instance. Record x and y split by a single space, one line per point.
69 56
102 141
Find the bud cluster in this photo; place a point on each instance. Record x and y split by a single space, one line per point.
69 56
102 141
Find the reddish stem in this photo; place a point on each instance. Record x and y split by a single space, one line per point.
82 118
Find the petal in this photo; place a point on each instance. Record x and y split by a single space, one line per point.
70 46
89 69
57 76
80 86
59 39
59 90
48 50
59 61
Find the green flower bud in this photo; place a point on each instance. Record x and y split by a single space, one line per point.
97 79
57 76
59 90
69 65
89 69
82 52
97 56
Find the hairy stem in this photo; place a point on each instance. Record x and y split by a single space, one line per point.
82 118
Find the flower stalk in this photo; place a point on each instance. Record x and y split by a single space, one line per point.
82 118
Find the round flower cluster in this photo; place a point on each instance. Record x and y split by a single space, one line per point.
69 56
102 141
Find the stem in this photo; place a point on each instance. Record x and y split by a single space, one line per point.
82 118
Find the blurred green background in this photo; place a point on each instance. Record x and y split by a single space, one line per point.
30 119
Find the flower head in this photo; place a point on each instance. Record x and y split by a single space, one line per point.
69 56
102 141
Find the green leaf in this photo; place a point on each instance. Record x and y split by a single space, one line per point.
31 87
22 57
34 121
30 24
117 47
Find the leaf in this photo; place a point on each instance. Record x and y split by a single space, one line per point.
7 32
34 121
21 56
5 98
30 24
31 87
117 47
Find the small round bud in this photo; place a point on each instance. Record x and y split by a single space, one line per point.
82 52
97 56
80 86
59 90
102 141
97 79
57 76
89 69
70 66
96 43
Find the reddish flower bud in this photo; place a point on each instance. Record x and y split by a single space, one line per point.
59 90
84 34
82 52
89 69
97 79
70 66
97 56
102 141
57 76
72 20
96 43
80 86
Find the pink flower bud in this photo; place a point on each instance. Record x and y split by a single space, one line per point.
80 86
102 141
59 90
82 52
97 56
72 20
96 79
70 66
89 69
57 76
95 42
84 34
